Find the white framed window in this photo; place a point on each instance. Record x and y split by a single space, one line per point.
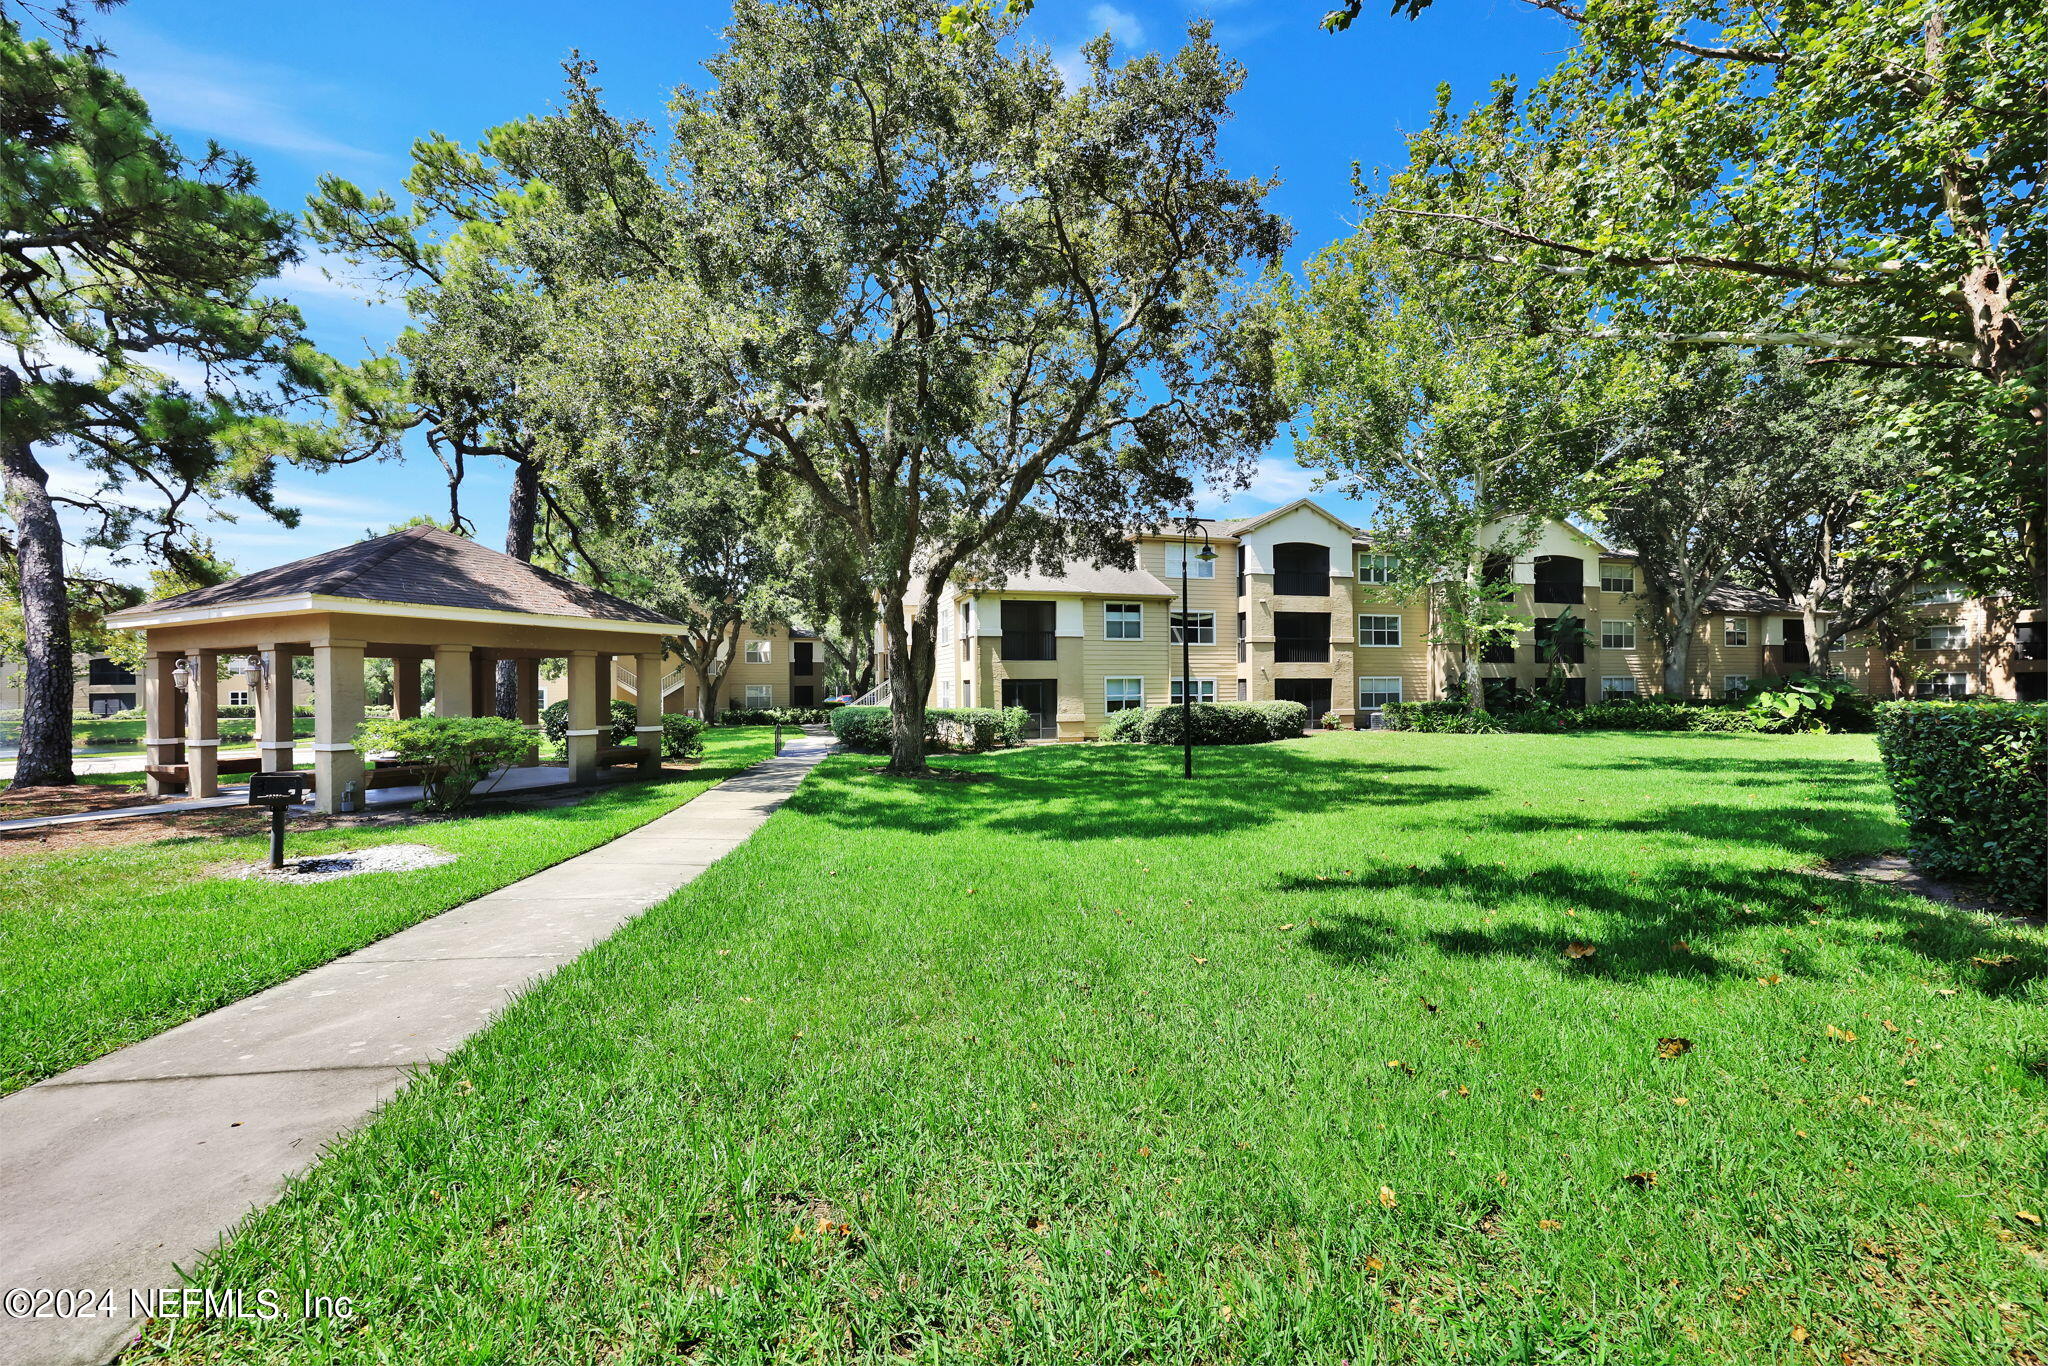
1617 580
759 696
1735 631
1618 686
757 652
1123 694
1378 692
1941 635
1935 594
1376 630
1943 685
945 630
945 692
1617 635
1200 625
1198 568
1378 568
238 699
1203 690
1734 683
1123 621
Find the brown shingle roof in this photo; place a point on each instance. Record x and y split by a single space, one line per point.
1082 578
1734 598
423 565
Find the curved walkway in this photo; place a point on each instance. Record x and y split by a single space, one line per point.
120 1171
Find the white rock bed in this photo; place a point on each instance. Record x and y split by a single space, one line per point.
385 858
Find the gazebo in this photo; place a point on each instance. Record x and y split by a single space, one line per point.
415 595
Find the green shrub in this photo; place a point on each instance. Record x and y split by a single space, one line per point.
1809 702
962 729
1649 714
682 737
455 752
554 723
1212 723
1439 717
772 716
1972 784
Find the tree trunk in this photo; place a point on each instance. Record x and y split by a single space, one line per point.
911 660
47 683
1678 655
521 512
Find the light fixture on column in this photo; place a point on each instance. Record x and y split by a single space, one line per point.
181 676
250 667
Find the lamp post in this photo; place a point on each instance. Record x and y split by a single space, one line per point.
1206 555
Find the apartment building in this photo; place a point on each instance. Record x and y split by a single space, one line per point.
102 687
1296 605
776 666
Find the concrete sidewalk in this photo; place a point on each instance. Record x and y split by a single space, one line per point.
117 1172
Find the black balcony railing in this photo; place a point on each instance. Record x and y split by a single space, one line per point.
2033 640
1030 645
1297 584
1556 590
1497 654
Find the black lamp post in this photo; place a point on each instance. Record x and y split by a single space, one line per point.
1206 555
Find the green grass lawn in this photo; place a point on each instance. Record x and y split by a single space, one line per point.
101 947
1292 1064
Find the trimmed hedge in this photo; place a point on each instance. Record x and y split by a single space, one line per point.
967 730
770 716
1213 723
682 737
1544 718
1971 782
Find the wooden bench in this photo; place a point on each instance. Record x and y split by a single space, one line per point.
608 755
391 773
180 775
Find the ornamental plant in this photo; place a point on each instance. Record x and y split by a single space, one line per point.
454 753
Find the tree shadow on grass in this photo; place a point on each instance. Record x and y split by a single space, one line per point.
1124 792
1647 928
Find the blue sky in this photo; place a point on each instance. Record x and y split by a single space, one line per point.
310 89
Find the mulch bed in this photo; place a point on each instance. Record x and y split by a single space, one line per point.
24 803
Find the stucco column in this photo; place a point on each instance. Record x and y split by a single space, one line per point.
483 683
526 676
165 716
405 688
202 726
337 711
584 684
647 683
454 680
274 708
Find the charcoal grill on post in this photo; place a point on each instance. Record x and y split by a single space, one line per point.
278 791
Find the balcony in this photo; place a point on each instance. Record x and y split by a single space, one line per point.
1560 579
1301 637
1030 645
1301 570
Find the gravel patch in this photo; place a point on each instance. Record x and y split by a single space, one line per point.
385 858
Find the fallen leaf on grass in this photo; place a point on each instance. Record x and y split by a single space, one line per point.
1672 1048
2000 961
1799 1335
1577 950
1641 1180
1388 1198
1288 926
1374 1264
2027 1216
1536 1094
1198 960
1427 1004
1890 1026
1549 1225
1680 1100
464 1087
1771 980
1845 1035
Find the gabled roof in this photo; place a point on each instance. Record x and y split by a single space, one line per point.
1736 599
1238 528
421 566
1079 578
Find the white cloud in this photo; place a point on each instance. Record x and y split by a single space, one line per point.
85 365
329 277
242 104
1277 480
1119 24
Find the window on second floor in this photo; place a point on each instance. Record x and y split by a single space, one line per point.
1375 630
102 672
757 652
1617 635
1198 627
1201 689
1198 568
1617 580
1934 594
1301 637
1942 635
1377 569
1028 631
1123 694
1243 646
1301 569
1123 621
1735 631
